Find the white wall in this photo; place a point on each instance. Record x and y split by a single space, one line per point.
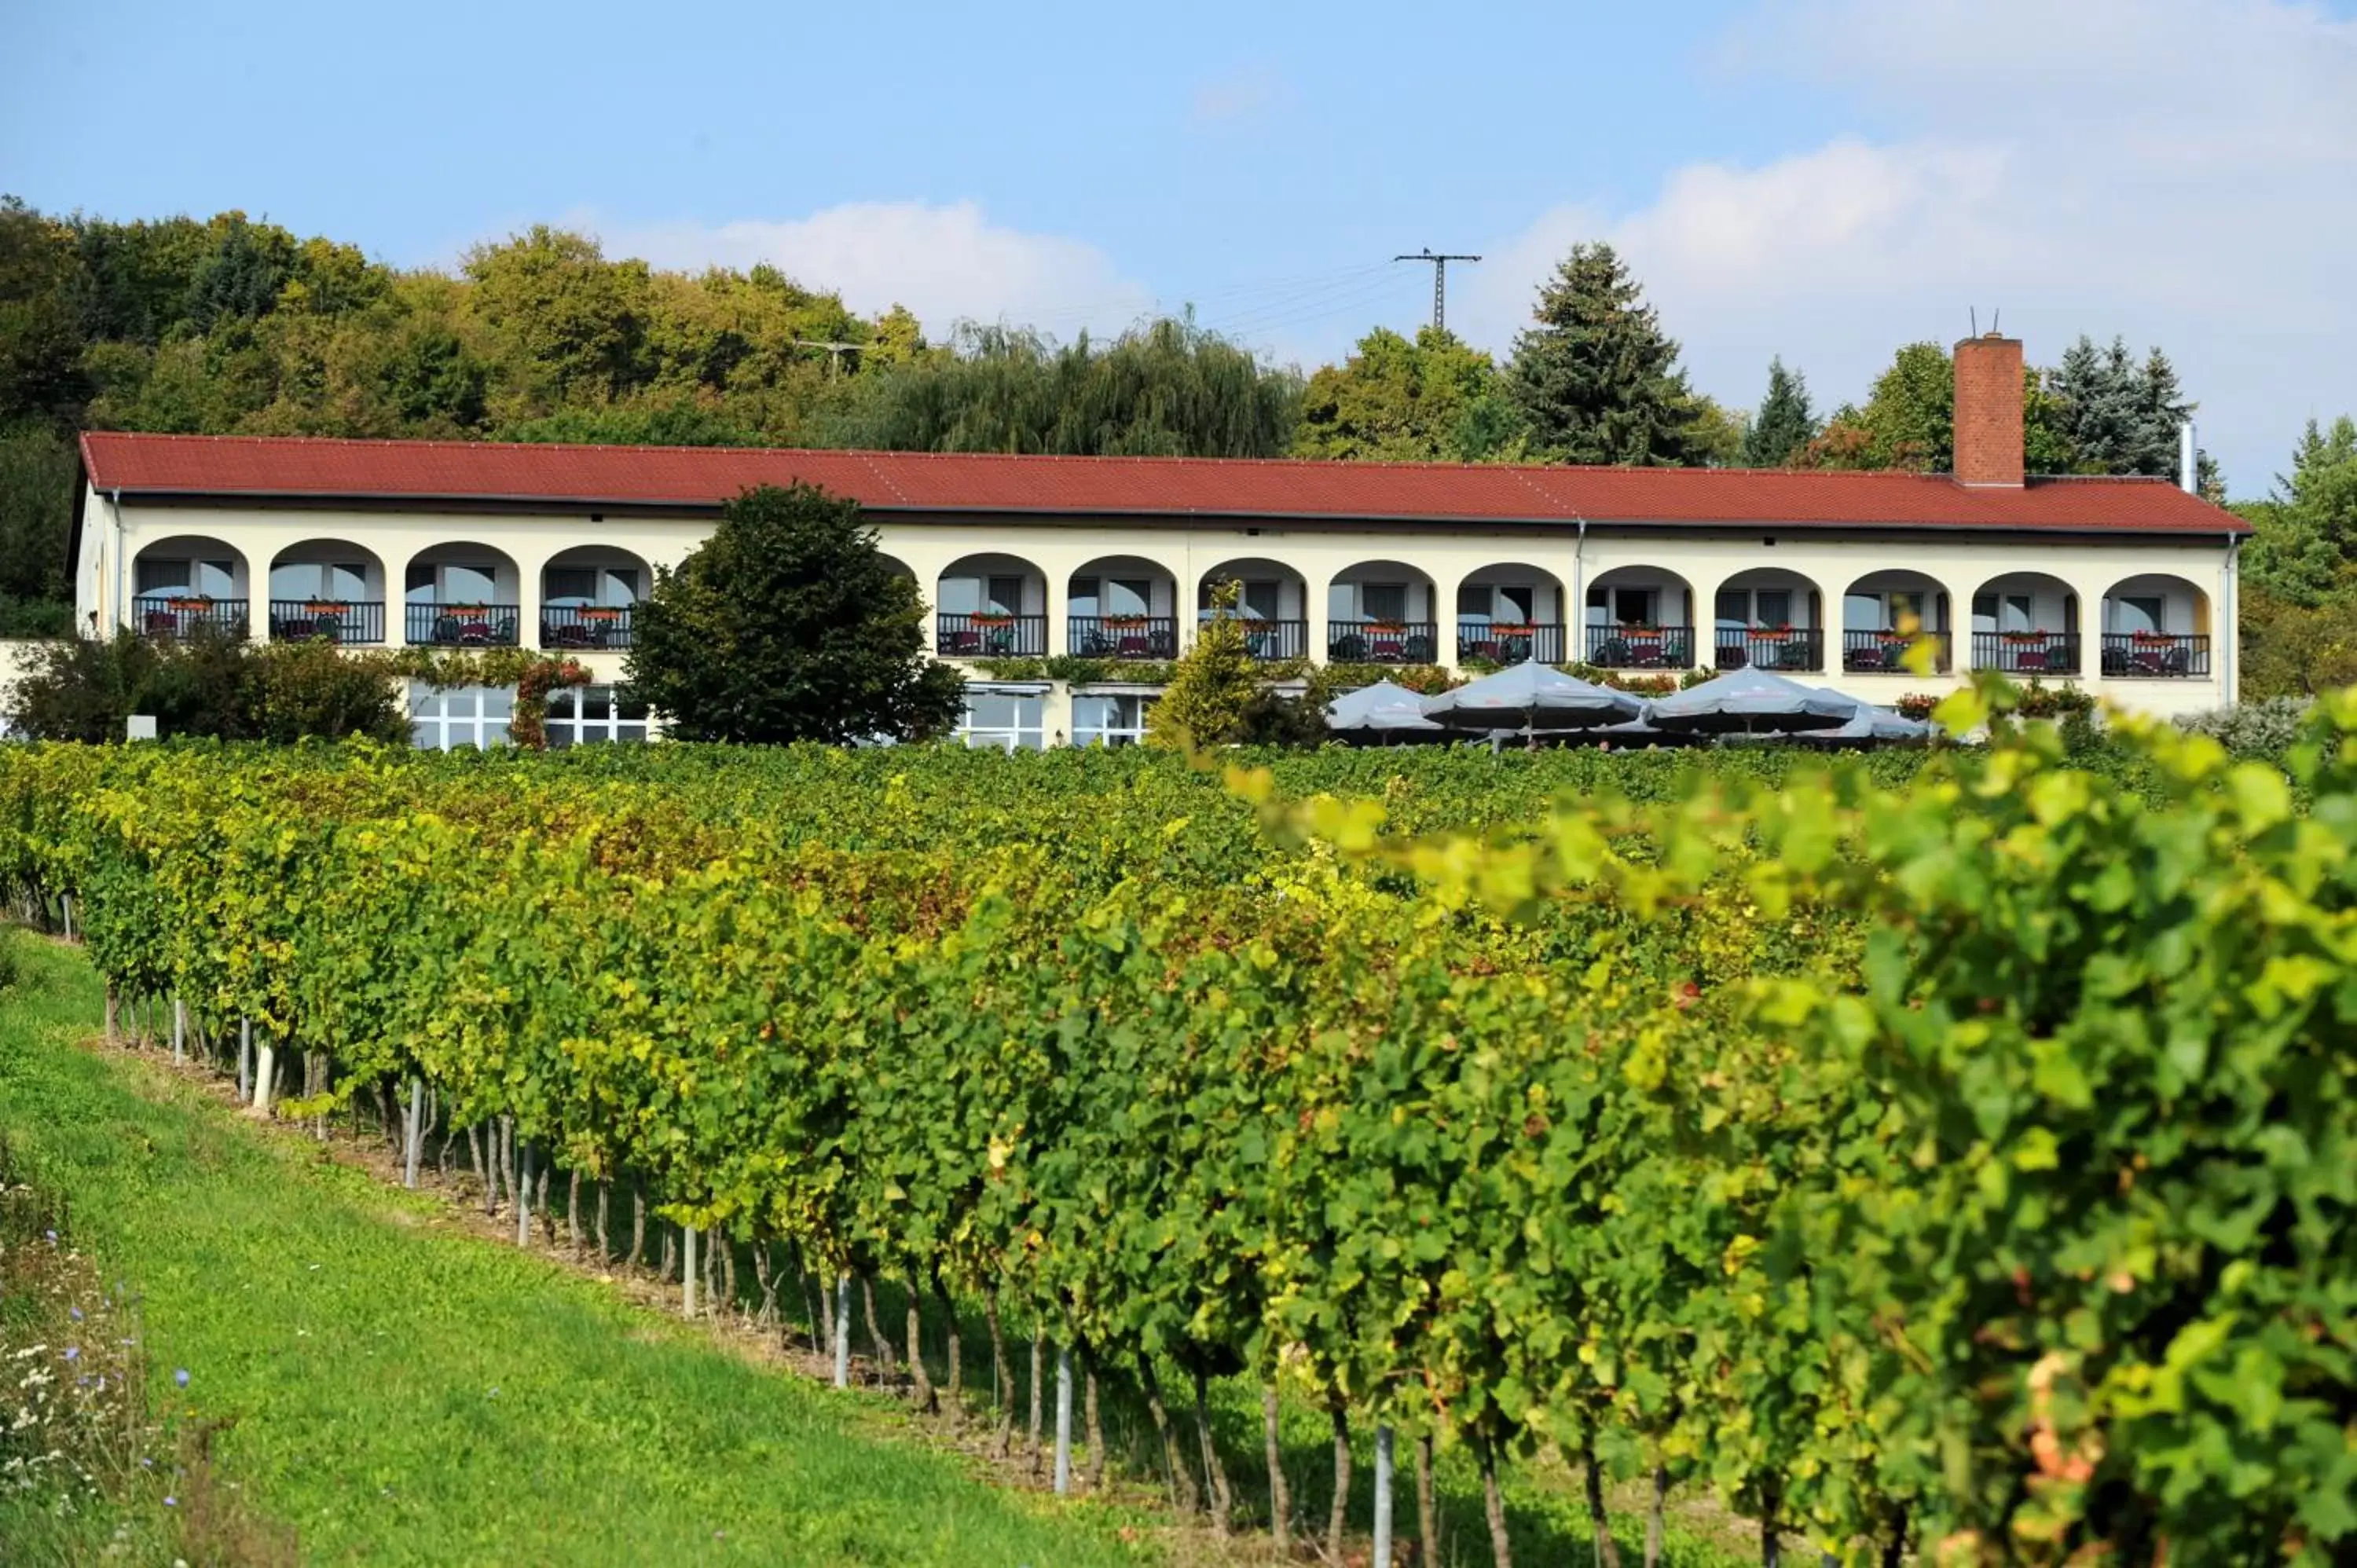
1191 553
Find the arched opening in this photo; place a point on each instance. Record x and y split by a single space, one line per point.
2156 625
1122 606
991 607
2026 623
1879 613
187 582
462 594
589 597
1509 612
1639 617
1382 612
1272 600
329 588
1769 619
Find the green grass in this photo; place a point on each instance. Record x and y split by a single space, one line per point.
403 1392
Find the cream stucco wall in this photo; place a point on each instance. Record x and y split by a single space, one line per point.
1691 564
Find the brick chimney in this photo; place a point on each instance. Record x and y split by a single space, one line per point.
1989 411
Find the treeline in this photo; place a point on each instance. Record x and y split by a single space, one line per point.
230 325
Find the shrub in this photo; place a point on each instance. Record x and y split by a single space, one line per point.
2268 727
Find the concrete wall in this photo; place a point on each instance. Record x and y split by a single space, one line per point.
1691 565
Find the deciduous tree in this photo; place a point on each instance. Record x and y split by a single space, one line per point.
787 624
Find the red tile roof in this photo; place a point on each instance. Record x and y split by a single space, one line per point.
700 478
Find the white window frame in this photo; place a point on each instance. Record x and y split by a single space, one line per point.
1125 730
566 725
1028 733
433 727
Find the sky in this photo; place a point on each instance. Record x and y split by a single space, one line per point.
1819 180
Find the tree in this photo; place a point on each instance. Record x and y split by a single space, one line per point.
1909 420
2114 414
40 335
1597 378
1434 399
1213 687
1167 390
787 624
1784 423
208 685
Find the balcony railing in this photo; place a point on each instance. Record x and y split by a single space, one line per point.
1381 643
1506 643
2027 653
160 615
1122 637
590 627
2160 655
1272 640
462 626
984 635
331 620
1784 649
1885 652
1642 647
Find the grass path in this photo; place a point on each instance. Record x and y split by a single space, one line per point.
406 1393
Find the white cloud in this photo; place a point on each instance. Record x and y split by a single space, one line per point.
2183 172
947 263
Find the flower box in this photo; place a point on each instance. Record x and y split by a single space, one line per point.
198 603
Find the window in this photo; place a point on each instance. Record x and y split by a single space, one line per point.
1009 721
1083 601
1117 720
1741 609
444 719
452 583
2003 612
1621 606
570 586
213 579
1111 596
587 715
1473 600
2135 613
1382 601
1007 595
340 582
1262 597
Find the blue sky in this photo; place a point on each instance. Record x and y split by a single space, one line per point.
1823 178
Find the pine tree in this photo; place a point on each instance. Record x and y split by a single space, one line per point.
2113 414
1595 376
1211 687
1784 423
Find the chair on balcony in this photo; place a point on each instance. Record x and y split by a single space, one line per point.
1867 660
1348 648
1613 654
1134 645
1416 649
1794 655
448 630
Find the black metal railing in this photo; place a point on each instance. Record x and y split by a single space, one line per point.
2160 655
1272 640
1122 637
1382 642
2027 653
1508 642
1885 652
1785 651
1641 647
464 626
588 627
178 616
330 620
985 636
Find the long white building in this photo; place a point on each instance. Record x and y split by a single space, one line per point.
2126 587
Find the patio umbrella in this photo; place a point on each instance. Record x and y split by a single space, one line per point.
1753 702
1530 697
1868 726
1380 715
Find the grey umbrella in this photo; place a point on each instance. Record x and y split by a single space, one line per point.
1867 725
1753 702
1530 697
1383 713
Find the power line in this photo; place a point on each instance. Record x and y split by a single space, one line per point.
1439 281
